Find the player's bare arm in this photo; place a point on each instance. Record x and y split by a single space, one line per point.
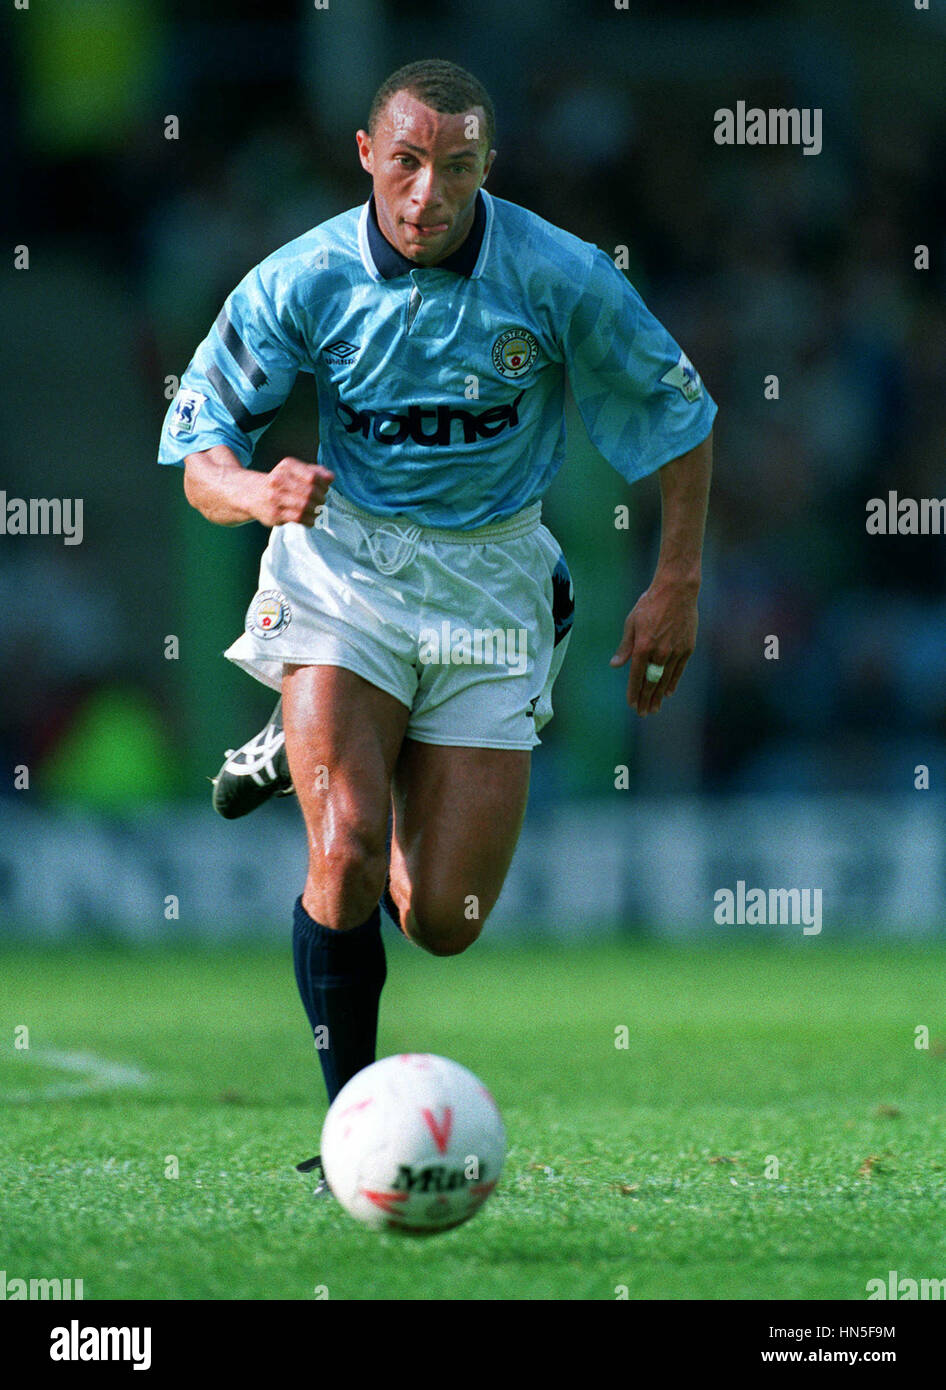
661 628
222 490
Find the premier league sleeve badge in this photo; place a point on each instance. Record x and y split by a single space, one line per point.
685 378
187 406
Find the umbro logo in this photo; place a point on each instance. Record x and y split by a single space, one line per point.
340 352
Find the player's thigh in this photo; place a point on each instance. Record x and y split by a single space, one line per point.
343 736
458 814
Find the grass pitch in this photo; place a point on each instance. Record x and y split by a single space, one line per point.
771 1129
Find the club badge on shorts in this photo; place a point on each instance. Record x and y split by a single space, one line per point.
268 614
514 352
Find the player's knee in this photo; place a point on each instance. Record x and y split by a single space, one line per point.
347 874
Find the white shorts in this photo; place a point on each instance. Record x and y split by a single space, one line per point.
468 629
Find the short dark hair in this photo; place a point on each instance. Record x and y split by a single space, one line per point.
442 86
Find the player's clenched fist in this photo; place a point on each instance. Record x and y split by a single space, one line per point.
293 491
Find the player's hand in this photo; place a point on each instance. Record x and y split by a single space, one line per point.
292 491
660 630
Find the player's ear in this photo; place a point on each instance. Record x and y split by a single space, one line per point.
488 165
363 140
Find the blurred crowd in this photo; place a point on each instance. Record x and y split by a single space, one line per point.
767 266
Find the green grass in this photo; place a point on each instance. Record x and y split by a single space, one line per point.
643 1167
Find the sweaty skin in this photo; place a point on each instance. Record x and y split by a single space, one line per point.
661 627
427 169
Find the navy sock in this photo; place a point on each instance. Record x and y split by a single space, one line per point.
340 975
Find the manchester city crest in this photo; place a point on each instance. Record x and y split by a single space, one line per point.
268 614
514 352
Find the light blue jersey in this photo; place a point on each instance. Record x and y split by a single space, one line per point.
442 389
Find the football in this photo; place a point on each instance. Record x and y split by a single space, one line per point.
413 1143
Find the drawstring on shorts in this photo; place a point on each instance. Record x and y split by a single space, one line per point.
393 543
406 540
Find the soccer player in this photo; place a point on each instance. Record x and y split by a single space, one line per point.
412 610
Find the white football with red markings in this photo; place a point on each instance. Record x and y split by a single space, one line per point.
413 1143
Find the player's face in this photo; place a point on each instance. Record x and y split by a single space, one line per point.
426 170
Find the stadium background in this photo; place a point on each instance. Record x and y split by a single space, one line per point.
791 772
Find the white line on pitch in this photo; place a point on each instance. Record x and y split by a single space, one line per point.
98 1072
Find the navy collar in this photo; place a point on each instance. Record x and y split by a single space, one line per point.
390 262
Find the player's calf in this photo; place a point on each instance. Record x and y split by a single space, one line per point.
443 927
439 943
458 811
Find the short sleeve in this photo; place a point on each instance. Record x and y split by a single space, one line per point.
640 397
238 379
